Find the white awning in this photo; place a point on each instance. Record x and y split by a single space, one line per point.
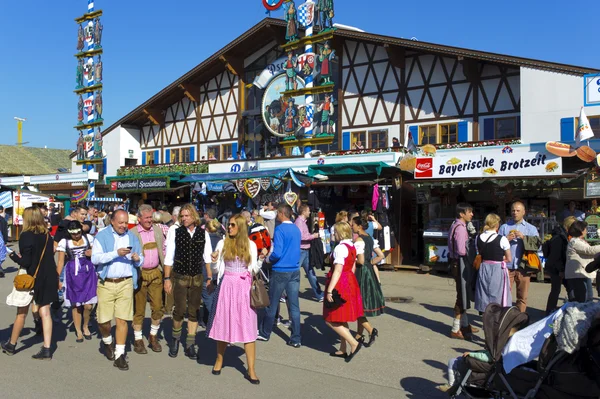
13 180
103 199
81 177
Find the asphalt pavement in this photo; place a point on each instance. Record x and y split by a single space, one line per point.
407 361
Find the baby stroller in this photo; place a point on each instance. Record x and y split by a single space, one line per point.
480 379
555 375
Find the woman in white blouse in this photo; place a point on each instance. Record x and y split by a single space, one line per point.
579 255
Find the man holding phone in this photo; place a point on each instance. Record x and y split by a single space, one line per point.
117 254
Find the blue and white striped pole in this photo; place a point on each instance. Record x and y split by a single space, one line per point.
90 100
308 98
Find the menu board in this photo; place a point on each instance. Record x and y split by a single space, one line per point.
591 188
593 235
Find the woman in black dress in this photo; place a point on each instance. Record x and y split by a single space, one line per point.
32 242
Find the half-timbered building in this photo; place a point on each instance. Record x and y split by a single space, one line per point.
385 87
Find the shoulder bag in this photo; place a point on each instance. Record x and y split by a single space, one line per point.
25 282
259 297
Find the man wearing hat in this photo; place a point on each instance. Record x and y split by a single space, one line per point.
166 218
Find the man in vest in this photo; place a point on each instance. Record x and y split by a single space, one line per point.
185 258
150 286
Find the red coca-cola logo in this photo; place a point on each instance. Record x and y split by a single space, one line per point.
424 168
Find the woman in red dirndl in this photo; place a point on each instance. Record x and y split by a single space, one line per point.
341 278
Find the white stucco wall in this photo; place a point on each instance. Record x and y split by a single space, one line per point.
117 144
546 98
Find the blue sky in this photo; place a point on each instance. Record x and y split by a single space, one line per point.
150 43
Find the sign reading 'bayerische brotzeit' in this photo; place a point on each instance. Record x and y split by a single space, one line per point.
518 164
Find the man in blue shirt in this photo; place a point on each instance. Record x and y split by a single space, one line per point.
286 276
515 231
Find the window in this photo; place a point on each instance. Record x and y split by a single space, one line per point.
428 134
227 151
185 155
133 161
505 128
175 158
214 153
149 159
448 133
359 140
379 139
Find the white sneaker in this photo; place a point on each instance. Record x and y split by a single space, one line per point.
282 300
261 338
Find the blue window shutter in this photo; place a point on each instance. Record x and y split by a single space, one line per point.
156 157
463 132
167 156
104 166
144 158
414 130
488 129
345 140
192 154
567 129
234 150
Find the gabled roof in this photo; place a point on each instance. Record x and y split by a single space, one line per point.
270 29
30 161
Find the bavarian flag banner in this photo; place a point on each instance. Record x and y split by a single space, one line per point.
584 131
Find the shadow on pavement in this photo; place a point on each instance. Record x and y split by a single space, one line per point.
416 387
317 335
433 325
436 364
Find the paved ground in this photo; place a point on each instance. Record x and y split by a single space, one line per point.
407 361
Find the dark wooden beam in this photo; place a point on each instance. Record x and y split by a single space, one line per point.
277 34
234 64
191 91
396 55
471 70
155 116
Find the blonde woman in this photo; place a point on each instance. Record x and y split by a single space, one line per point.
342 280
493 282
341 216
233 319
36 248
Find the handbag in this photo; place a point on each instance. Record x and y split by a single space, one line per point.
337 300
25 282
19 298
259 297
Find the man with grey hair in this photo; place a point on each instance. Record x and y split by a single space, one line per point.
150 288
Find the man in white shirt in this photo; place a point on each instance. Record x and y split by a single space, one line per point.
269 213
117 253
168 298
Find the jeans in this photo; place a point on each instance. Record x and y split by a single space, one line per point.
207 300
310 273
581 289
555 286
280 281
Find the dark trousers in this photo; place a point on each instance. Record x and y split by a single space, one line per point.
581 289
556 282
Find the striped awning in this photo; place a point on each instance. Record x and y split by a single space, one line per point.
104 199
6 199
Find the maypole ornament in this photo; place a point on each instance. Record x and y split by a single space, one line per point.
272 5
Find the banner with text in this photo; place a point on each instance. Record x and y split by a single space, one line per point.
518 164
141 185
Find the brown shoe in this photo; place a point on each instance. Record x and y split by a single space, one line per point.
468 331
121 363
457 335
139 347
109 351
154 344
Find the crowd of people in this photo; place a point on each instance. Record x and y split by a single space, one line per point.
105 265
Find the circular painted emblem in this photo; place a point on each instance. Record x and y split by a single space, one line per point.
272 5
283 117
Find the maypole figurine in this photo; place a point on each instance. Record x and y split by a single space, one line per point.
292 22
98 33
290 119
327 109
80 38
290 70
98 106
79 76
326 55
80 147
98 144
325 12
99 70
80 112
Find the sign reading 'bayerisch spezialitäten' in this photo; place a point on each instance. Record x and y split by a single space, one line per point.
148 184
518 164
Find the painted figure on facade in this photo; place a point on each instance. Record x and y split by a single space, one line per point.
98 33
80 147
99 70
290 118
327 109
79 76
80 38
98 144
326 55
290 70
80 111
98 105
292 22
325 13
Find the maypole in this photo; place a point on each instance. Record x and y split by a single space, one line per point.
89 90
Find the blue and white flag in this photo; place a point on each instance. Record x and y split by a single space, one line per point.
306 13
6 199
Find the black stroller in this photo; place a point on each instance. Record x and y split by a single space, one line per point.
555 375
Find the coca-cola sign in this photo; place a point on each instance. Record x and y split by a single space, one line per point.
424 168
